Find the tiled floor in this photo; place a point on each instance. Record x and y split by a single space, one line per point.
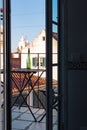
23 120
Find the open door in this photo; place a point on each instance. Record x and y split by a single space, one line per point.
52 64
73 64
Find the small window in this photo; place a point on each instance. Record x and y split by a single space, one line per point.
43 38
43 61
35 62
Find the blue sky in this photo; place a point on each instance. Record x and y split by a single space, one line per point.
27 19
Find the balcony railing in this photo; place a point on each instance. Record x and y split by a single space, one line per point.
38 61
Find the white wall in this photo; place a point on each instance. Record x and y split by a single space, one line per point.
24 57
1 62
39 46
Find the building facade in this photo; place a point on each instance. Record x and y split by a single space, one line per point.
38 52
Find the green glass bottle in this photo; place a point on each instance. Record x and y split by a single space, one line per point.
28 60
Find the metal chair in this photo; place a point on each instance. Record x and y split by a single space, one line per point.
55 100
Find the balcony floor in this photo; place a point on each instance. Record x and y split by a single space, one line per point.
23 120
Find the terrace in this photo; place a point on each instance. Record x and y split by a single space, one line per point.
22 118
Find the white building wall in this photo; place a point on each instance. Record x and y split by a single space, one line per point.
24 57
1 46
55 58
38 46
1 62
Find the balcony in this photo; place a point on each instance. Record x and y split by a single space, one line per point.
22 118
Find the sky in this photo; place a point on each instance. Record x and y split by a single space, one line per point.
28 19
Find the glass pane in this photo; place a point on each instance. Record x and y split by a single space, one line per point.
1 69
55 10
28 31
55 63
55 97
54 28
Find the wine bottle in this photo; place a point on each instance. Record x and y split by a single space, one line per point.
28 60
